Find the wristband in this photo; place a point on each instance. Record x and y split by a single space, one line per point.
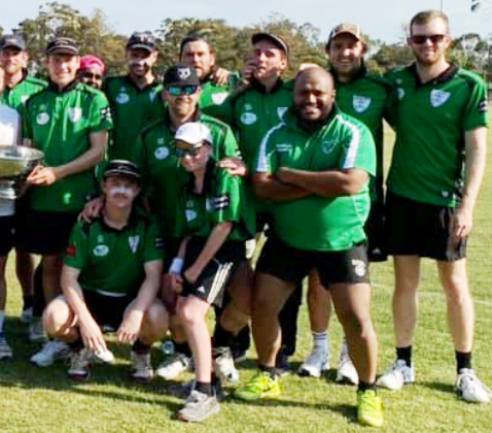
176 266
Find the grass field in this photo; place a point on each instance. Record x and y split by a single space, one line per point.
36 400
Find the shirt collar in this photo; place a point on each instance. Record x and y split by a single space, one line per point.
443 77
255 84
54 87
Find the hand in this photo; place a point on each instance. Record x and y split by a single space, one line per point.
43 176
174 282
168 294
248 70
462 223
234 166
191 274
220 77
130 327
283 174
91 335
92 209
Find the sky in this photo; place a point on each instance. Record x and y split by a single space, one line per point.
380 19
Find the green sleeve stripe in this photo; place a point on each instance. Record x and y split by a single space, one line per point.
353 146
263 166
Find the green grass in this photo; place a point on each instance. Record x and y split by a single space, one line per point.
36 400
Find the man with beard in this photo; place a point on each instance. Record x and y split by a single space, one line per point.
434 179
134 98
92 71
315 168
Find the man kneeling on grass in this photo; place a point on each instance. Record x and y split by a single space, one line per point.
111 275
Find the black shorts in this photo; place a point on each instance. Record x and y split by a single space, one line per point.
106 310
420 229
374 228
44 233
213 280
334 267
7 225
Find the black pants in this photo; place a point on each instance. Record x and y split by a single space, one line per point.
288 321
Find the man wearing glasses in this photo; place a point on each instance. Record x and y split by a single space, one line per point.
435 176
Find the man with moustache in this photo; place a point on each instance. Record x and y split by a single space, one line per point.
92 71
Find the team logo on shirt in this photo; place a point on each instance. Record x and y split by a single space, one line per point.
43 118
361 103
219 98
24 98
482 107
281 111
161 152
153 94
101 250
327 146
190 215
248 118
359 267
123 97
133 241
75 114
439 97
401 93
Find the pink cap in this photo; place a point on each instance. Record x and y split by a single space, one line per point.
91 61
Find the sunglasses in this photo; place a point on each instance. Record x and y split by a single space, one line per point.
91 76
187 152
182 90
422 39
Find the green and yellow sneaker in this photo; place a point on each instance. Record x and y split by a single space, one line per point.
369 408
261 385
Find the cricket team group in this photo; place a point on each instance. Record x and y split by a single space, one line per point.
154 190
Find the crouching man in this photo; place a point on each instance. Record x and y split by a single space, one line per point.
111 275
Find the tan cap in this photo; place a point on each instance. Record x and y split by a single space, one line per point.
351 29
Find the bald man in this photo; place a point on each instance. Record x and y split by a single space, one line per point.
315 225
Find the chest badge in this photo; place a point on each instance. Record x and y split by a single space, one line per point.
219 98
401 93
75 114
42 118
101 250
162 152
439 97
123 98
327 146
281 111
133 241
361 103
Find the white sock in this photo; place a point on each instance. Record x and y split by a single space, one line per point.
2 319
320 341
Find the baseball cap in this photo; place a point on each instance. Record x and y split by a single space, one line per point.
191 135
14 41
62 45
143 40
92 61
122 167
349 28
276 40
181 75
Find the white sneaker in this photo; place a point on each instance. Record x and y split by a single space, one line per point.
26 315
224 366
397 375
315 363
103 357
346 372
172 367
141 366
198 407
51 351
470 388
5 349
36 331
79 364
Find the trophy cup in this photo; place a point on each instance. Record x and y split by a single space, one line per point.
16 163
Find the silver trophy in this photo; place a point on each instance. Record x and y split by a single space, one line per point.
16 163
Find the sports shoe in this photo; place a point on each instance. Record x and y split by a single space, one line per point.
183 390
470 388
5 349
26 315
141 366
79 364
369 408
397 375
224 366
104 356
172 367
346 372
36 331
261 385
315 363
282 364
51 351
198 407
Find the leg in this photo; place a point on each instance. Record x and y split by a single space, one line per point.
24 268
3 289
155 324
52 265
288 317
60 322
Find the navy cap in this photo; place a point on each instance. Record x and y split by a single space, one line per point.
276 40
181 75
13 41
122 167
143 40
63 45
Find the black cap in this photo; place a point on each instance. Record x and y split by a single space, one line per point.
181 75
122 167
14 41
276 40
143 40
63 45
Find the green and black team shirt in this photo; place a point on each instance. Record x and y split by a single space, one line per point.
432 118
366 97
17 96
223 200
59 123
317 223
213 94
164 178
132 108
112 261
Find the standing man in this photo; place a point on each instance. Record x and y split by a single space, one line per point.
315 168
69 121
134 98
433 184
92 71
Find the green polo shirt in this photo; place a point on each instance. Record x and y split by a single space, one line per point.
59 123
213 94
132 108
432 118
17 96
316 223
223 200
112 261
164 178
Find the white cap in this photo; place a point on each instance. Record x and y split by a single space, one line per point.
194 133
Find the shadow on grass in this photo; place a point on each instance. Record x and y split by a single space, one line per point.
445 388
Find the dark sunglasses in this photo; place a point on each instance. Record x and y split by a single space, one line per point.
91 76
181 90
422 39
190 152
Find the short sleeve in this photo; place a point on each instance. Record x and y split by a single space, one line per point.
100 114
76 253
153 245
359 150
476 113
225 204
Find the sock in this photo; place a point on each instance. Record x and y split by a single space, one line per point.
182 348
405 354
77 345
204 387
320 341
27 301
2 319
364 386
272 371
222 337
463 360
140 348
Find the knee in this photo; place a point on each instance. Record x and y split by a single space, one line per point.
359 325
186 314
57 318
156 317
456 290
